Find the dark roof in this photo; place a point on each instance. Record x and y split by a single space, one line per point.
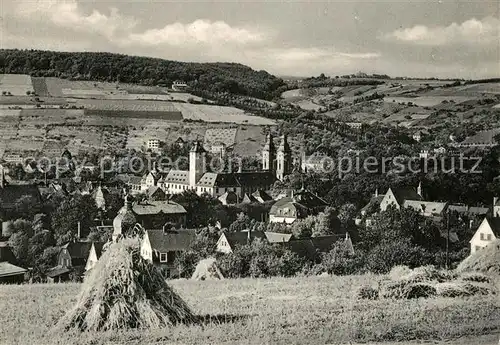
218 180
494 225
241 237
255 178
58 270
262 196
278 237
7 269
78 250
248 199
478 210
405 193
229 198
164 241
6 253
98 248
309 247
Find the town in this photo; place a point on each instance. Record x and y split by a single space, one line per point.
343 189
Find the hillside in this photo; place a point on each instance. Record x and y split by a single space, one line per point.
215 77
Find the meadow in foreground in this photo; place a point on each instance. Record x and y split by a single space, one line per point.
304 310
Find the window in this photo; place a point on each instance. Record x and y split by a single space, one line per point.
478 248
488 237
482 237
163 257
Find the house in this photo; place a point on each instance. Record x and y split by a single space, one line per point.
53 148
11 274
397 196
13 158
156 213
73 257
318 161
218 148
155 193
94 254
418 136
99 198
297 206
6 254
309 248
153 144
228 241
278 237
488 231
180 142
179 86
162 246
427 208
371 207
248 199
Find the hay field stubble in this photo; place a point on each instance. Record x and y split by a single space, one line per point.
312 310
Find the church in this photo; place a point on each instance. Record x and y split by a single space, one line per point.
276 164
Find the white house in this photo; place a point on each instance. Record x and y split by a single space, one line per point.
94 255
488 231
154 144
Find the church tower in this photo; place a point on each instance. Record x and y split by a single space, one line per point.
284 159
197 160
268 154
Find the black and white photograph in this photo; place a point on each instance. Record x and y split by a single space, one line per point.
226 172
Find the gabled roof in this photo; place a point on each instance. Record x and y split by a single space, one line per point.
156 207
261 196
405 193
277 237
309 247
98 248
479 210
172 240
248 199
58 270
218 180
7 269
78 250
255 178
241 237
436 208
494 223
177 176
228 198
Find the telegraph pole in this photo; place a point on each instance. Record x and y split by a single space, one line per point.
447 238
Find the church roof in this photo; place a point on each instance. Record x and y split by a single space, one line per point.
177 176
197 147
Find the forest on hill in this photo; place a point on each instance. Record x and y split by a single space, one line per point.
218 77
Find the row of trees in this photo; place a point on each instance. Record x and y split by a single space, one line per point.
216 77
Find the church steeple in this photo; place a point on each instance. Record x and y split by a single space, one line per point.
3 181
284 159
268 154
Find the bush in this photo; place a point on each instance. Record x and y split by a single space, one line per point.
407 290
367 292
476 277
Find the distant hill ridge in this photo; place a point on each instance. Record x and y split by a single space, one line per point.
233 78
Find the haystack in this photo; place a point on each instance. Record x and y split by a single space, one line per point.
486 260
207 270
125 291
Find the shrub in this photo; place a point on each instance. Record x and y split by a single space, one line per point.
367 292
476 277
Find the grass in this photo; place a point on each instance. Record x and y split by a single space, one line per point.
312 310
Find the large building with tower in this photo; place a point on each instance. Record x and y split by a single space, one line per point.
276 164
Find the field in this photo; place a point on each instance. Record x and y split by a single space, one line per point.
314 310
15 84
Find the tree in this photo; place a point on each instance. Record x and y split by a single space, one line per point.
21 231
65 219
326 223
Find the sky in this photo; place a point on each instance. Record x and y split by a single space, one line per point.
419 38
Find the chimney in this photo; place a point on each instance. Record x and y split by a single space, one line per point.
79 231
376 192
